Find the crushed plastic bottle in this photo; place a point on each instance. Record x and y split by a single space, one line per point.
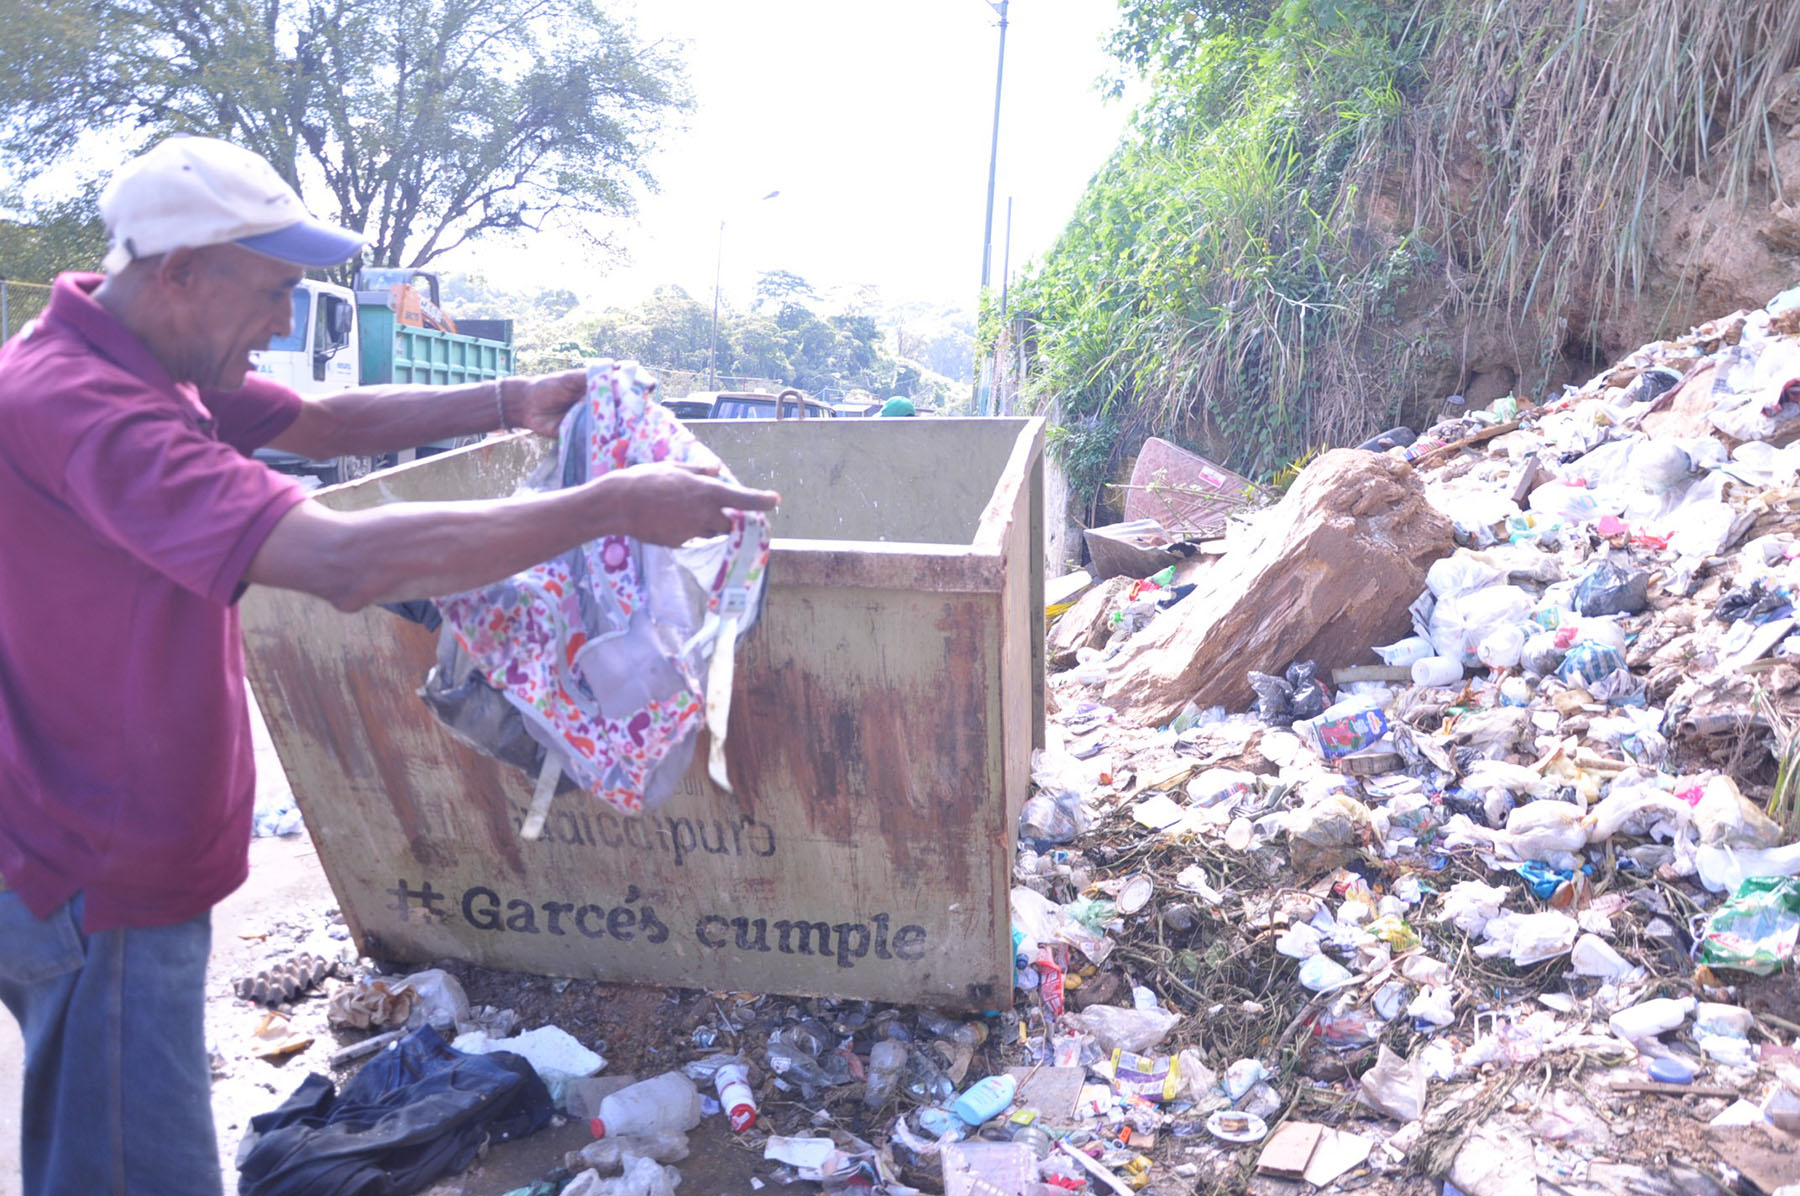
923 1081
886 1060
791 1063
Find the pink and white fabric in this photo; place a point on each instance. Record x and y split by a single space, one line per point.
617 653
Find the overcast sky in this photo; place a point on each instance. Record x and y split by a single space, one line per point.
873 121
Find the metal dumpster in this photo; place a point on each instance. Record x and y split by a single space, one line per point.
882 722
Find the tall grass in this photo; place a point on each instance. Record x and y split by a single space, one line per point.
1223 283
1575 113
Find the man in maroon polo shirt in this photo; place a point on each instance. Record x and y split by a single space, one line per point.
134 515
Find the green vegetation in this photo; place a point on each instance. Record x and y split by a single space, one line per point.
789 337
1316 190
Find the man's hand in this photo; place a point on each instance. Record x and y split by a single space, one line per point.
540 403
670 504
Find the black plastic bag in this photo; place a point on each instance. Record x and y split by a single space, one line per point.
1308 697
1609 589
1274 699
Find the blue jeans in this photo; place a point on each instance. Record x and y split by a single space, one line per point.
118 1090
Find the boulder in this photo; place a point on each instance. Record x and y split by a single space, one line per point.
1339 561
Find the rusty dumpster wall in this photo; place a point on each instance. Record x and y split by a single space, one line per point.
882 722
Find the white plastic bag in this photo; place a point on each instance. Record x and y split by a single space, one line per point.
1547 831
1322 974
1115 1027
1659 465
1459 624
1594 956
1701 528
1394 1086
1561 501
1462 572
1432 1007
1530 938
1641 811
1470 905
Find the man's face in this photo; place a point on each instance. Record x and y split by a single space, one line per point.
233 301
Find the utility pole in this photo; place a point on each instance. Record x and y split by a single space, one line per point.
712 354
987 236
1006 258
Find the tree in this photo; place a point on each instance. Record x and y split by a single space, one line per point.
422 122
782 286
49 239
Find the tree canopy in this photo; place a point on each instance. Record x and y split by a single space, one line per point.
788 336
421 122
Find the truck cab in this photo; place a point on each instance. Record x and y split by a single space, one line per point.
320 355
390 329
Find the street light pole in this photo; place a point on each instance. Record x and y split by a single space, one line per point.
987 235
712 354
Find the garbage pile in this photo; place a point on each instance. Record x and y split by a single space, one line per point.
1430 830
1499 899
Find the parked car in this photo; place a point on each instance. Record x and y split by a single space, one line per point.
689 408
735 404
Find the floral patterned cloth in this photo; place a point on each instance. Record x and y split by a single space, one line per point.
607 650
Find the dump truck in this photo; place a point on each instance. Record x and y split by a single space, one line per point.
390 328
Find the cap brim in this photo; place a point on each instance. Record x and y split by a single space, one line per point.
309 243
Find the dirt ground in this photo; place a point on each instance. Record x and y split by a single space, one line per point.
287 907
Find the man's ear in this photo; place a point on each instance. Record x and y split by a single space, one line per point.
180 269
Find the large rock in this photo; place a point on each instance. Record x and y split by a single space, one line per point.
1340 560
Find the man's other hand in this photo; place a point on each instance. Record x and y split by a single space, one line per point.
667 503
545 399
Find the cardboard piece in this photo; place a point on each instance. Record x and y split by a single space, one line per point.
1764 1155
1315 1153
1052 1091
1339 1151
1288 1150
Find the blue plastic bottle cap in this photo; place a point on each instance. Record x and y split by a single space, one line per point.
1667 1069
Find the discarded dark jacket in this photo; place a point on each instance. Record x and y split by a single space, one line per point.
417 1111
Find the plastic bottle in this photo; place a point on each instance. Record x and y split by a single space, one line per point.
1711 1017
886 1058
985 1099
1037 1138
792 1063
1436 671
666 1102
1647 1019
733 1083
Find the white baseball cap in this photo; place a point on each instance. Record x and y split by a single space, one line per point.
190 192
